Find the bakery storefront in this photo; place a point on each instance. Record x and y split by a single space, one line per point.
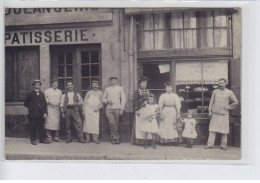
192 48
65 43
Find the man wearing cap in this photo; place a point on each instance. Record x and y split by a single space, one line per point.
222 100
37 111
115 99
52 122
71 105
92 105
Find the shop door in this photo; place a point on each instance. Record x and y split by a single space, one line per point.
22 67
157 73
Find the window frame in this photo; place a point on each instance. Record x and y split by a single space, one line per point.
184 51
76 64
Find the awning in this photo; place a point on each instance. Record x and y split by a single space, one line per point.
206 72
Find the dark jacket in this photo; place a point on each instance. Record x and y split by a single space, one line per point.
36 104
138 97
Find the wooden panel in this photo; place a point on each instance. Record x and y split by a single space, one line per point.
28 70
235 73
9 90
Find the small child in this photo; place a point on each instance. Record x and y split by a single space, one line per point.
149 123
189 131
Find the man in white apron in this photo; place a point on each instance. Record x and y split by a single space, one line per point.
52 122
222 100
92 105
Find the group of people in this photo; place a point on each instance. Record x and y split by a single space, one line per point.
160 123
44 111
163 120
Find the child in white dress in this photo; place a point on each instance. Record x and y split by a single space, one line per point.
189 131
149 123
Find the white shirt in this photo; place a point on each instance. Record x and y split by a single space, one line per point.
117 95
53 96
70 96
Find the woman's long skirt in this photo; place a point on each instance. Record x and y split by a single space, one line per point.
167 132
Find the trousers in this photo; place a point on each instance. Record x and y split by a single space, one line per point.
37 125
212 137
113 120
55 134
73 116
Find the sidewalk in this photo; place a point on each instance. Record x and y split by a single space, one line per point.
21 149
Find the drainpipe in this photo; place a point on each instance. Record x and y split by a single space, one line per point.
131 63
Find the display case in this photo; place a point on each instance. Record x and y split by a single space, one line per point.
196 80
195 96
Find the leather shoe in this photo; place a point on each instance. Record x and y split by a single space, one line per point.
223 148
68 141
88 141
82 141
96 141
44 142
117 141
33 142
57 140
208 147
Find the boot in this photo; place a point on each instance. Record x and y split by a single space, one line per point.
145 144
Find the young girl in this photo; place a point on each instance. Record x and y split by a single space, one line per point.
149 123
189 131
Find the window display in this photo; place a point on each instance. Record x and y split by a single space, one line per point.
196 80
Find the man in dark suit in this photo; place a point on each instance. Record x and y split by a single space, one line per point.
37 108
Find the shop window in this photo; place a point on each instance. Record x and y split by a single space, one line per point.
64 68
90 69
185 30
21 68
195 82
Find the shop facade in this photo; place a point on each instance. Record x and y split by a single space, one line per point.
192 48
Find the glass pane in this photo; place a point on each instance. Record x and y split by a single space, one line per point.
68 58
60 71
147 40
85 84
148 22
60 58
85 57
85 70
95 57
94 70
220 19
61 84
220 37
68 71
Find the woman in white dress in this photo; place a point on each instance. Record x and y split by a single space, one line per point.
92 105
170 105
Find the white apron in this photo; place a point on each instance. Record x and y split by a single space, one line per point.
52 122
91 123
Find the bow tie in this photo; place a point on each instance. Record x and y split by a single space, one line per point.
37 91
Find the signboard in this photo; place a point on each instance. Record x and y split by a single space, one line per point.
14 38
39 16
208 72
